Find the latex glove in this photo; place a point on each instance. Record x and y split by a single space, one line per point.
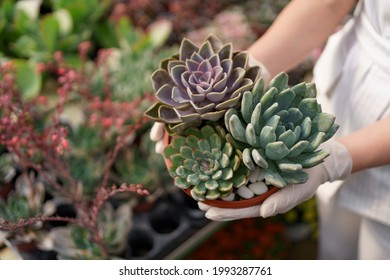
336 166
265 74
157 135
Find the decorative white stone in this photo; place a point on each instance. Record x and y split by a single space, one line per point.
245 192
255 174
258 188
261 175
230 197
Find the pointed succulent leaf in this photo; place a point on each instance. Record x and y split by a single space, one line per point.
207 131
288 138
247 159
280 82
311 159
267 136
294 116
213 194
305 128
256 120
215 141
309 107
315 141
270 112
225 186
311 91
331 131
259 158
300 91
187 48
228 149
323 122
217 175
288 166
181 183
227 174
276 150
296 177
258 90
236 128
268 97
273 121
298 148
285 98
193 179
186 152
273 177
200 189
247 106
240 60
251 137
211 184
224 161
192 141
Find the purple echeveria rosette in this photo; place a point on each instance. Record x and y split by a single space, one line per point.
200 83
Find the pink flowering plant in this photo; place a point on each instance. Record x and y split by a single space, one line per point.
73 144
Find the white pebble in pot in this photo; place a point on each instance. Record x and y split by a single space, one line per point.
258 188
245 192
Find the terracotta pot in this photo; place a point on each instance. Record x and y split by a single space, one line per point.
222 203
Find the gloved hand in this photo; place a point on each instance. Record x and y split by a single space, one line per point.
336 166
265 74
157 135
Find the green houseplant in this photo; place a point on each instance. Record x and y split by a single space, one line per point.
230 136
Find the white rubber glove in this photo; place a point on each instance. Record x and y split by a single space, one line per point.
265 74
157 135
337 165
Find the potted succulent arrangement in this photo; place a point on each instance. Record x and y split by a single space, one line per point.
231 140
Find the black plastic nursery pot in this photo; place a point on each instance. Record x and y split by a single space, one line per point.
158 232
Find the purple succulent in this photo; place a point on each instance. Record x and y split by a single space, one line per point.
200 83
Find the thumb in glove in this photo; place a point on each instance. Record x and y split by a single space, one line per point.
157 135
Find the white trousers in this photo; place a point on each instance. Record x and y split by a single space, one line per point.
344 235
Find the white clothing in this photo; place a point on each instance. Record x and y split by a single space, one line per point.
353 82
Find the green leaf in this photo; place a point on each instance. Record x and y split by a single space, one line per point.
247 106
28 80
280 82
22 22
267 136
311 159
105 35
237 128
25 46
276 150
309 107
288 138
49 31
273 177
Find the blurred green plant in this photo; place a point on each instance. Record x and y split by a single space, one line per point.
71 122
35 31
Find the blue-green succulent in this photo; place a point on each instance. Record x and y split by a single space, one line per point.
280 128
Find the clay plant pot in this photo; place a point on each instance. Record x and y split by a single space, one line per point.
243 203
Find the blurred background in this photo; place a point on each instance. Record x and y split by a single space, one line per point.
79 176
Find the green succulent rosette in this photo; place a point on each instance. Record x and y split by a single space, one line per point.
204 161
280 128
